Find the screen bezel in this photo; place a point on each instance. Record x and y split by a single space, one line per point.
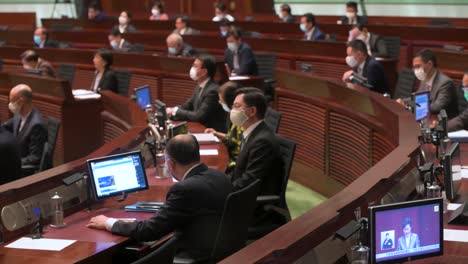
381 208
450 191
93 183
414 95
146 87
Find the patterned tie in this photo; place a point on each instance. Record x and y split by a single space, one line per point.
236 61
242 141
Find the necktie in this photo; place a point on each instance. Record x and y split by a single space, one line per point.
236 61
242 141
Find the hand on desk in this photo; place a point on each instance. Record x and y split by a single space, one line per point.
347 75
215 133
98 222
169 111
400 101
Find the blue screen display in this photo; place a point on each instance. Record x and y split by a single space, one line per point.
143 96
422 106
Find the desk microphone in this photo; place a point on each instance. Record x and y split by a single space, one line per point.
359 80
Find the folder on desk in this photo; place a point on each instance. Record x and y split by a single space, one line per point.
205 138
458 136
144 207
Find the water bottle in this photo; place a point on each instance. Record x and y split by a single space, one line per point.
160 164
57 211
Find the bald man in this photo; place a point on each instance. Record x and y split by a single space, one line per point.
177 47
41 39
27 127
193 205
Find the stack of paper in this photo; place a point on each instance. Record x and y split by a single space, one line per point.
85 94
206 138
41 244
459 136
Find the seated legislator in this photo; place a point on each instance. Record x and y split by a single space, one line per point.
10 163
351 17
232 138
105 78
224 26
363 64
27 126
177 47
95 12
157 12
182 26
259 157
239 56
285 14
193 206
461 121
31 61
124 25
376 46
117 42
310 29
221 13
41 39
203 106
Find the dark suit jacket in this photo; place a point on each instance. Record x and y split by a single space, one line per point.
108 81
247 62
46 68
361 20
186 51
204 108
378 46
48 44
193 209
289 19
259 158
128 29
443 95
31 138
375 74
10 163
316 35
188 31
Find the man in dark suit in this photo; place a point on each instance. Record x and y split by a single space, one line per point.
41 39
182 26
238 55
95 12
31 61
193 206
26 126
461 121
285 14
203 106
310 29
351 17
117 42
177 47
363 64
10 163
259 157
376 46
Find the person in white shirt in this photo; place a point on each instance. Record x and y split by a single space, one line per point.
221 12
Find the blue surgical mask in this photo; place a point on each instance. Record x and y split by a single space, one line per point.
171 51
37 40
114 44
232 46
303 27
224 33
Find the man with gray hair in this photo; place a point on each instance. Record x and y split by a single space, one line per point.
177 47
27 127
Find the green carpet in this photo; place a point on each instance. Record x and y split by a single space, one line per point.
301 199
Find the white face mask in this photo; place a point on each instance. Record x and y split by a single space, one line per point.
350 15
155 12
232 46
420 74
14 108
193 73
303 27
114 44
238 117
122 20
351 61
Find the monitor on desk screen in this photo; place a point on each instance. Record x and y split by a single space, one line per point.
406 231
143 96
422 105
117 174
452 171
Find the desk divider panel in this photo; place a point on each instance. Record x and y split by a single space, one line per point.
177 91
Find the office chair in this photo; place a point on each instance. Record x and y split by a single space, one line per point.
266 69
275 206
67 72
272 119
393 46
53 127
163 254
405 84
123 78
232 231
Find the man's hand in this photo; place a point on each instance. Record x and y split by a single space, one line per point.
346 76
98 222
433 124
400 101
210 130
169 111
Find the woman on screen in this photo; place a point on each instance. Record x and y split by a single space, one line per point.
408 240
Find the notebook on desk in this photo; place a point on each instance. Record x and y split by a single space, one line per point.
146 207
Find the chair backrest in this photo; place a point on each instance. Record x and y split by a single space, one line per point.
137 47
237 214
266 65
287 152
405 84
67 72
123 78
53 127
163 254
393 46
272 119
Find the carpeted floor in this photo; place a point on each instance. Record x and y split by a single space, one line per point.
300 199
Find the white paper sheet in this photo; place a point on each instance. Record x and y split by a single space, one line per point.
456 235
41 244
85 94
453 206
208 152
205 138
238 78
464 173
459 136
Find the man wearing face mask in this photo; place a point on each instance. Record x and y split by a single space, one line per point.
224 26
351 17
27 127
117 42
203 106
41 39
239 56
285 14
183 27
193 206
461 121
177 47
363 64
221 13
31 61
259 157
376 46
310 29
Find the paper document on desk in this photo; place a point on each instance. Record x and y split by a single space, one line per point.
206 138
464 173
208 152
453 206
41 244
459 136
85 94
238 78
456 235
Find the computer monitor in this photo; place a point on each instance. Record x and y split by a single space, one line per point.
406 231
161 112
452 171
178 129
143 96
421 110
117 174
